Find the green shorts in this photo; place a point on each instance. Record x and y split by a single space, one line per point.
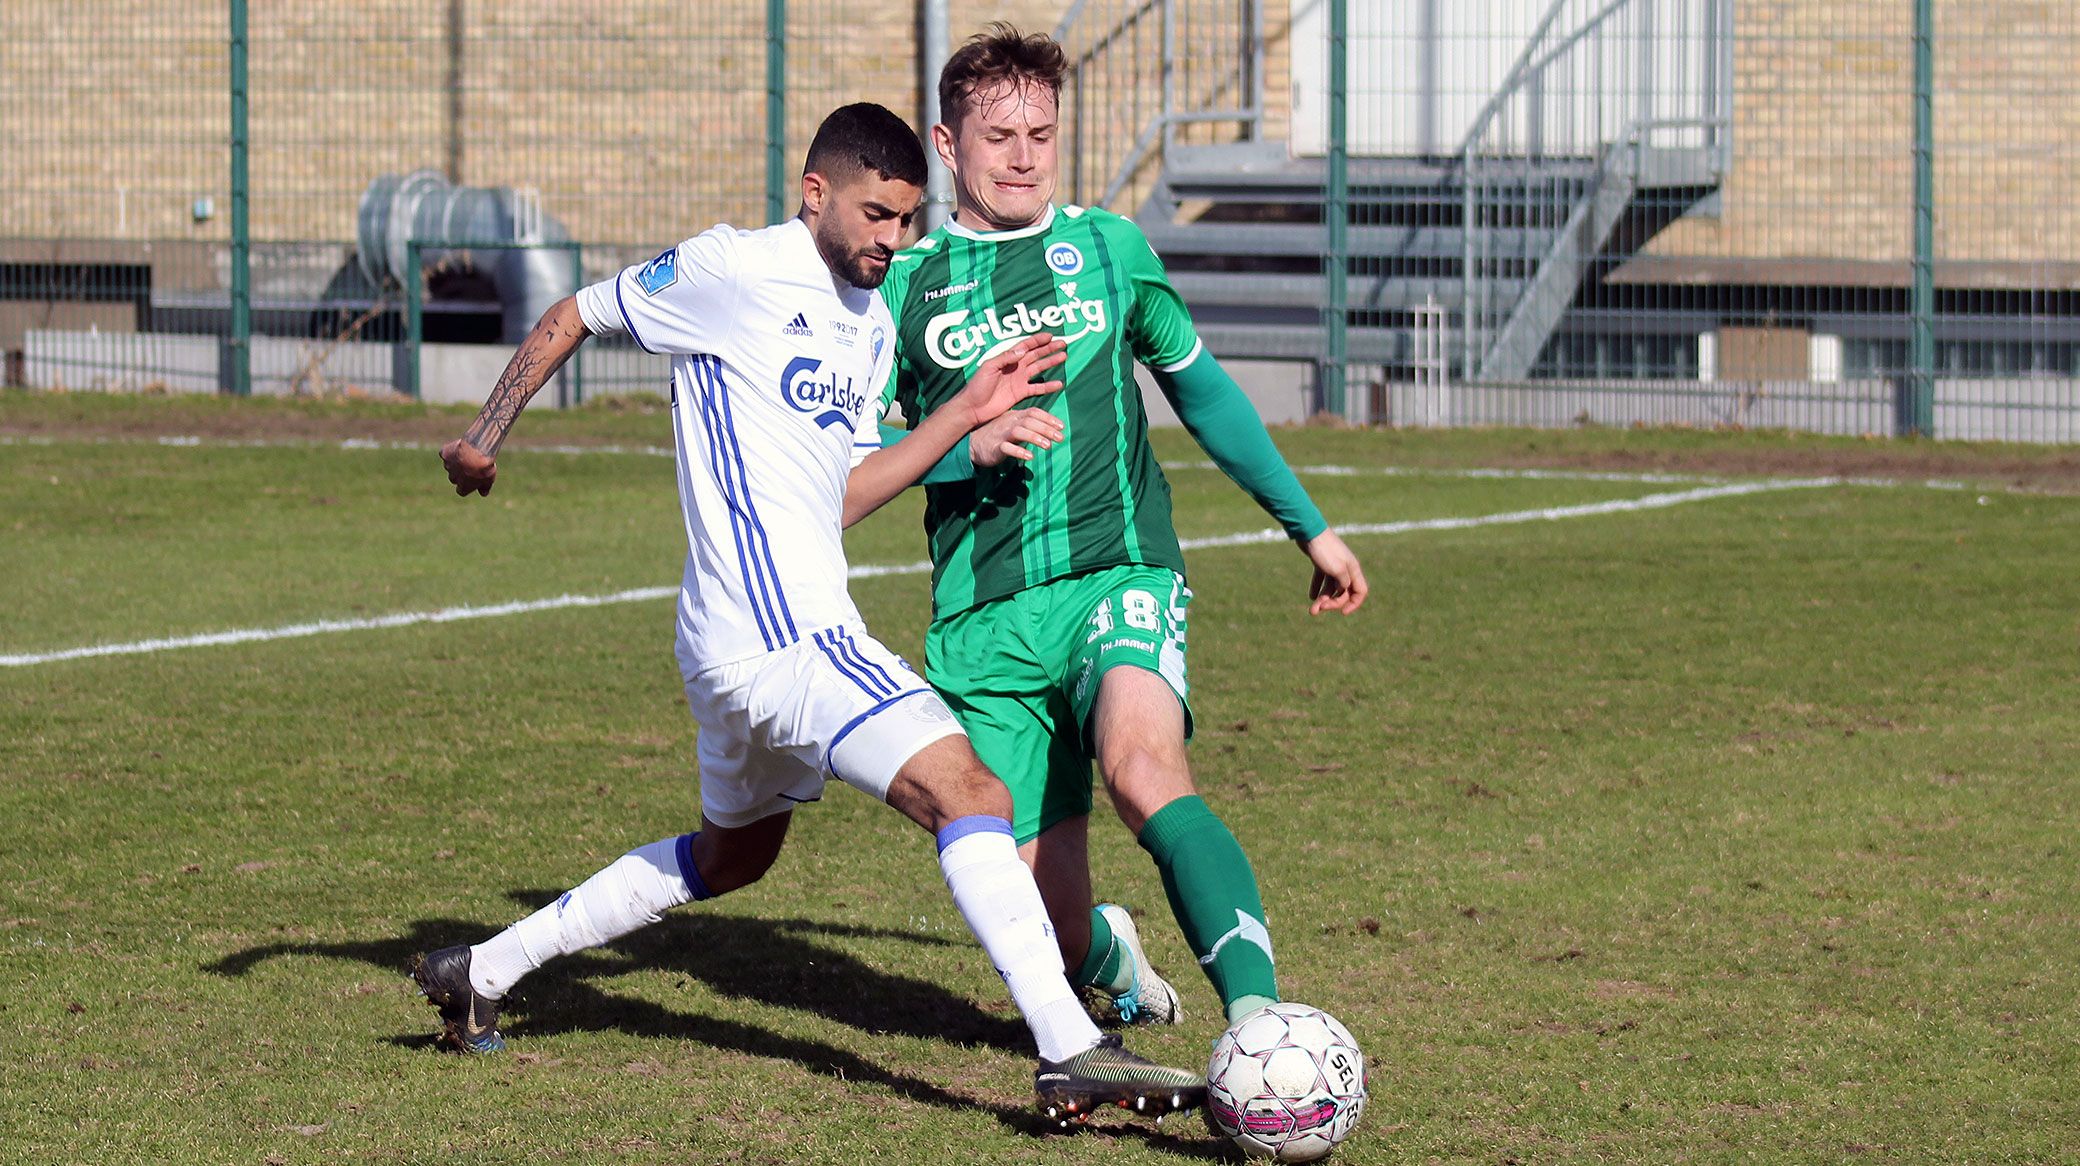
1021 673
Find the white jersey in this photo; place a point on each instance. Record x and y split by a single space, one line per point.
774 364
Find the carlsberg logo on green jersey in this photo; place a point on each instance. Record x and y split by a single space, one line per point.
955 343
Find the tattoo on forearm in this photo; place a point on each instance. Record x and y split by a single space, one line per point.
519 382
540 355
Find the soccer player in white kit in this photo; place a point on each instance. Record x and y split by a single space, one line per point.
778 347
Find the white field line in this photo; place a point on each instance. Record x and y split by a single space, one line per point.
872 571
1615 506
1327 471
324 626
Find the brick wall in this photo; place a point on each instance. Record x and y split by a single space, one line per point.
638 121
1823 134
643 119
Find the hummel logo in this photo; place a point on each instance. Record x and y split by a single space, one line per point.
797 327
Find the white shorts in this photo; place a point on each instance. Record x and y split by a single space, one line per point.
836 703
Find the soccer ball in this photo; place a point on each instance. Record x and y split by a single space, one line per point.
1286 1082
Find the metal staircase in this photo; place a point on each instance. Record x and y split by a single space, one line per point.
1243 244
1245 249
1545 194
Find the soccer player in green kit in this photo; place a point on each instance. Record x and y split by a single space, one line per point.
1059 599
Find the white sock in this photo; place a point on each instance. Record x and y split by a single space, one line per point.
997 896
633 891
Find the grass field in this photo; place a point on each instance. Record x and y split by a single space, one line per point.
1737 828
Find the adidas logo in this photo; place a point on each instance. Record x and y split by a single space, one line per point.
797 327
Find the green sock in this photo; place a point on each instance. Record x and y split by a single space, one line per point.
1242 1006
1105 965
1214 895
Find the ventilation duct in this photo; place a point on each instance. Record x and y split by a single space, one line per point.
445 219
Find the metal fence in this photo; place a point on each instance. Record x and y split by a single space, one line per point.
621 127
1830 215
1836 215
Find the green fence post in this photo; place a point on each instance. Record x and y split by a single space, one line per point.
414 317
776 110
1336 210
241 347
1919 414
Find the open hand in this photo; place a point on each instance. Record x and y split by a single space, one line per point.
1010 435
1339 582
1005 379
468 467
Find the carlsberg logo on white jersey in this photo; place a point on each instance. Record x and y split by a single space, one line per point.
955 343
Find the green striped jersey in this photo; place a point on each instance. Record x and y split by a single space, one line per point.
1097 499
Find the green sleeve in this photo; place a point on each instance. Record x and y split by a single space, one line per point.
956 466
1224 423
1160 326
890 387
894 291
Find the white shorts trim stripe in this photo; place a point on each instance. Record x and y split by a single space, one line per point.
825 642
838 738
874 671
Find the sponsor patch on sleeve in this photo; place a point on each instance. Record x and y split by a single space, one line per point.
660 273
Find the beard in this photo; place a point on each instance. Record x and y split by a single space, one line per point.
866 270
862 269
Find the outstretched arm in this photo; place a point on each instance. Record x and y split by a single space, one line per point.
953 466
1008 438
1220 418
999 383
470 459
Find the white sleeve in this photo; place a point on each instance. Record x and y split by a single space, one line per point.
881 336
866 440
680 302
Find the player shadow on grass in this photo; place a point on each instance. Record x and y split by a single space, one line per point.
769 961
764 960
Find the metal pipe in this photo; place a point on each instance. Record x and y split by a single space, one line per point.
406 220
938 191
1469 214
1429 88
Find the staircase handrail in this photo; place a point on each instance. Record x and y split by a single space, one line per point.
1629 151
1522 70
1537 56
1159 132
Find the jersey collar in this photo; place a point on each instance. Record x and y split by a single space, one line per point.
1046 221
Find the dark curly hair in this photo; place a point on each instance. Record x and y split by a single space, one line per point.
858 138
